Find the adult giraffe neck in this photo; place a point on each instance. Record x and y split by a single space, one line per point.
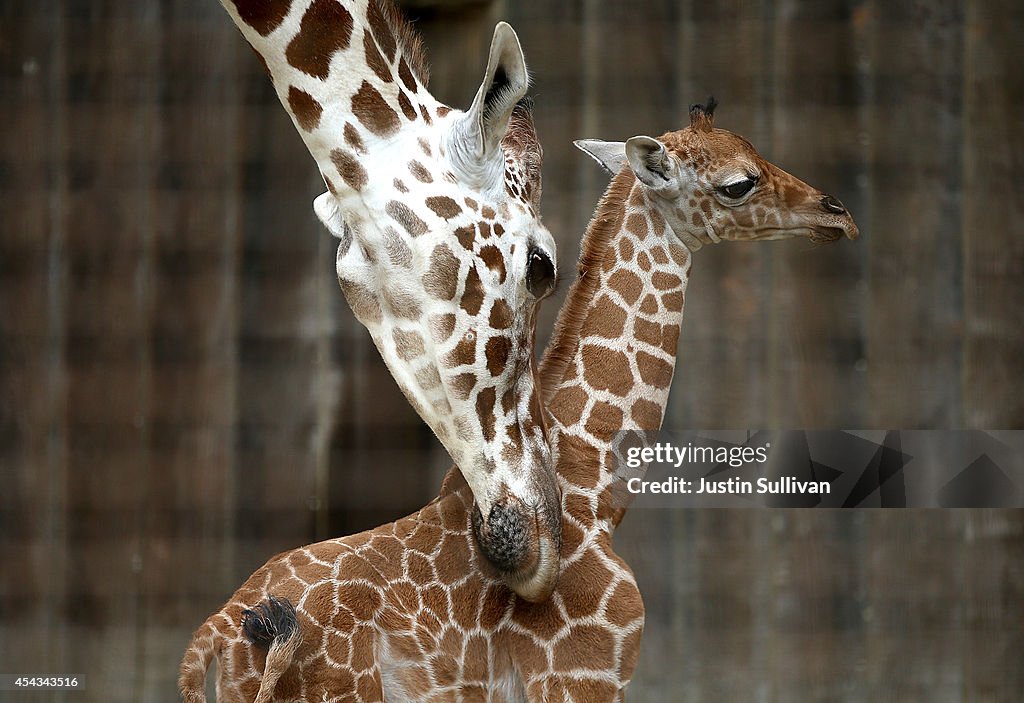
355 70
609 366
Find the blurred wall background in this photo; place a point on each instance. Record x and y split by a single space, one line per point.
184 392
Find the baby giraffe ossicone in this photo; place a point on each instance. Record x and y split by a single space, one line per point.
410 611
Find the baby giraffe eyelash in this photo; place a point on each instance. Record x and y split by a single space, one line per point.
737 189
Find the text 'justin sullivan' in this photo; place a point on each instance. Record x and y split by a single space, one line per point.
664 453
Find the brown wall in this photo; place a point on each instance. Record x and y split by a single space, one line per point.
183 391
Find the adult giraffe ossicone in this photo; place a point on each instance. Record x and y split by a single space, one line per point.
443 256
409 611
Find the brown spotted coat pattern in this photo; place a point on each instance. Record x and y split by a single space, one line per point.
409 611
416 595
436 621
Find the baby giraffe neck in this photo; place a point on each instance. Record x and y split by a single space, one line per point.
609 367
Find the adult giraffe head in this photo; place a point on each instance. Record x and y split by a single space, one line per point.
712 185
443 256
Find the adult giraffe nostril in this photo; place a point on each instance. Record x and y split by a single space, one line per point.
505 535
522 543
832 205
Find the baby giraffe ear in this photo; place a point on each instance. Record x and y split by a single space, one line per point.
611 155
650 161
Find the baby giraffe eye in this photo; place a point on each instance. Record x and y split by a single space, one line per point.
738 189
540 273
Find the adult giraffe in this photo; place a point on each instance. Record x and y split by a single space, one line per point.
443 256
409 611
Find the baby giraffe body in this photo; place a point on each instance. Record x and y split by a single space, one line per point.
409 611
442 256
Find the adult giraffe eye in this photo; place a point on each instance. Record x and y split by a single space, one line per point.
738 189
540 273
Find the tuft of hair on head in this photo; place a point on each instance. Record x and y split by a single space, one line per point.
270 621
702 117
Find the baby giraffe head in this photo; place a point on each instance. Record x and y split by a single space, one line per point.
712 185
444 258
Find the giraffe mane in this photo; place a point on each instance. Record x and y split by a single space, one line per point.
521 130
604 225
410 45
521 139
521 135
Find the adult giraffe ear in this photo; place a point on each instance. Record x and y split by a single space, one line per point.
476 138
611 155
651 162
327 210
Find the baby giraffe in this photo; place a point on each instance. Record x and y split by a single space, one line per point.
410 611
